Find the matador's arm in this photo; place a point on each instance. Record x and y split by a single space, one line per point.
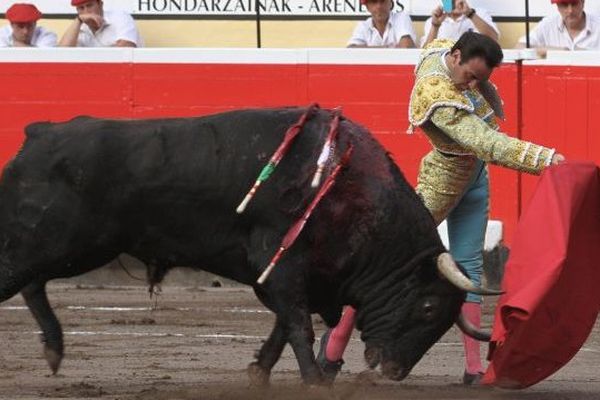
491 146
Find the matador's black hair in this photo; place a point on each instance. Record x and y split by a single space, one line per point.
472 44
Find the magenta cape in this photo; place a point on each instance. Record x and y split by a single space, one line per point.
551 280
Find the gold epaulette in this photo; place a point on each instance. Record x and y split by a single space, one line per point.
439 44
433 91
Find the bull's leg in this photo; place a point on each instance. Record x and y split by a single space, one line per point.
302 337
260 370
12 280
288 294
52 336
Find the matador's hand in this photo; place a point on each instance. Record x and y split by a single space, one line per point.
557 158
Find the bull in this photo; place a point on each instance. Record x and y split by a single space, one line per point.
165 191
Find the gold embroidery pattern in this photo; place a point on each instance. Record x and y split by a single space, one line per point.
433 91
440 44
489 145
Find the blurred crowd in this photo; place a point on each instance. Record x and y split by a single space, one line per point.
570 28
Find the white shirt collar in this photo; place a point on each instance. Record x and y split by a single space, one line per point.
387 25
460 18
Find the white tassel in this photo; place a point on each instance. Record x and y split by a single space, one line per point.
242 207
317 177
263 277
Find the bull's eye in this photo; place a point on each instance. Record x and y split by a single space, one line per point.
429 308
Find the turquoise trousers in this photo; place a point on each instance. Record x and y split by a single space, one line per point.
467 223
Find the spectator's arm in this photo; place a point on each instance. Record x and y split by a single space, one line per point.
17 43
405 31
538 40
358 36
482 20
484 27
542 52
127 31
124 43
432 26
406 42
69 38
432 34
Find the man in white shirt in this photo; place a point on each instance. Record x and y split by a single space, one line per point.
23 30
571 29
384 28
462 19
96 27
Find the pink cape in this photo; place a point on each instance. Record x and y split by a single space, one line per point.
551 280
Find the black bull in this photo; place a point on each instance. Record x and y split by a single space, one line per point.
165 191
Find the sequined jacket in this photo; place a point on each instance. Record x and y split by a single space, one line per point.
461 126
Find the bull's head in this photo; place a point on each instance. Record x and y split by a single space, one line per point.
425 306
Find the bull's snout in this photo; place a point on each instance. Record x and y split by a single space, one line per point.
394 371
390 368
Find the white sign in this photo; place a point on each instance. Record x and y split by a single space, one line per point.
292 8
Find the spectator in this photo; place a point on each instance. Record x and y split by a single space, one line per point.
384 28
462 19
96 27
23 30
570 29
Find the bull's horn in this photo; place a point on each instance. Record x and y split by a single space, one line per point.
469 329
449 270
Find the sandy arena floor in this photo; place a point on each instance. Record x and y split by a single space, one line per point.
195 343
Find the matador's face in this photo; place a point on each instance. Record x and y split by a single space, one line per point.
467 75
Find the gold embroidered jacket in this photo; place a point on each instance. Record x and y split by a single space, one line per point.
461 126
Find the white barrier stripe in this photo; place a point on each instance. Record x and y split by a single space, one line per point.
228 56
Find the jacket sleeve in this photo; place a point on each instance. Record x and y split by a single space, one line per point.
490 145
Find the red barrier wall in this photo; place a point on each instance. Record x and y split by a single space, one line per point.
561 108
556 102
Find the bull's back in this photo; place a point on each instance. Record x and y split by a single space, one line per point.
212 158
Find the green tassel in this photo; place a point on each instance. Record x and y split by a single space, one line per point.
266 172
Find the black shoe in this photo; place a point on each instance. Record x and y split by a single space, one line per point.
472 379
330 368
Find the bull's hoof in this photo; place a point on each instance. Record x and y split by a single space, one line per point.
330 369
368 377
321 392
53 358
258 375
